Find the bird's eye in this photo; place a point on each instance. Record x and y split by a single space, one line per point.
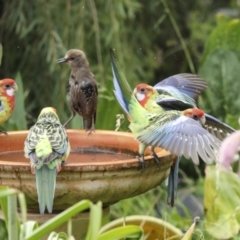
7 86
195 117
142 89
72 58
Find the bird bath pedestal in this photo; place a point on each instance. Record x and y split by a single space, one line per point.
102 166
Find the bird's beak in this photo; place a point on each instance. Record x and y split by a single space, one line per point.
202 120
61 60
15 87
134 91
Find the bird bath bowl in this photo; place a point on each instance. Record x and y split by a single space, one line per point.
101 166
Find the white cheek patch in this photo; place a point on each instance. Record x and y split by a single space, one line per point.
10 92
140 96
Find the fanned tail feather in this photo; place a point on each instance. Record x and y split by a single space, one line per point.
46 183
122 91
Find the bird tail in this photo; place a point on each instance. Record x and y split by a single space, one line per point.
88 123
122 91
173 182
46 183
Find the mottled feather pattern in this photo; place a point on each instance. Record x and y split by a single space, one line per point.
82 88
88 92
82 95
47 146
48 124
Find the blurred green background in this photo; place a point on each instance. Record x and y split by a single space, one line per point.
152 40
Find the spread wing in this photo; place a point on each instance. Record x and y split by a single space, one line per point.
188 84
217 128
180 135
169 103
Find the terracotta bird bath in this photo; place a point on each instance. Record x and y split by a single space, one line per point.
101 166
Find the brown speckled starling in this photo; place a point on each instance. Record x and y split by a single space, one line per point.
82 88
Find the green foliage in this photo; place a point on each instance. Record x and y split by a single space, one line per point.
222 209
220 67
11 228
225 36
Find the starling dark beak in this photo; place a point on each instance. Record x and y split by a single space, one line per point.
62 60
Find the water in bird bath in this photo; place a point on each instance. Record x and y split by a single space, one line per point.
80 156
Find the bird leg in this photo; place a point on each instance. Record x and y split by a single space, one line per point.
156 159
141 159
1 131
142 162
72 116
173 182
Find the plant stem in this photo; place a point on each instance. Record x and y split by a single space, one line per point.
176 28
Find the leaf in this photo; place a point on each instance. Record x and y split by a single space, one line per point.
57 236
13 221
95 221
130 231
27 228
58 220
221 70
3 230
19 112
225 36
221 202
190 231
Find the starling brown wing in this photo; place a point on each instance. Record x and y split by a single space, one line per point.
82 97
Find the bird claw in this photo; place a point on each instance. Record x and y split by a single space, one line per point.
90 130
142 162
1 131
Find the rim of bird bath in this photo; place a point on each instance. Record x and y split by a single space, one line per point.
102 166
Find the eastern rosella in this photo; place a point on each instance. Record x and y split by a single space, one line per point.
82 88
158 100
171 130
8 87
48 147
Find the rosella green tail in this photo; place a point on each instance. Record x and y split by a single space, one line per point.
48 147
